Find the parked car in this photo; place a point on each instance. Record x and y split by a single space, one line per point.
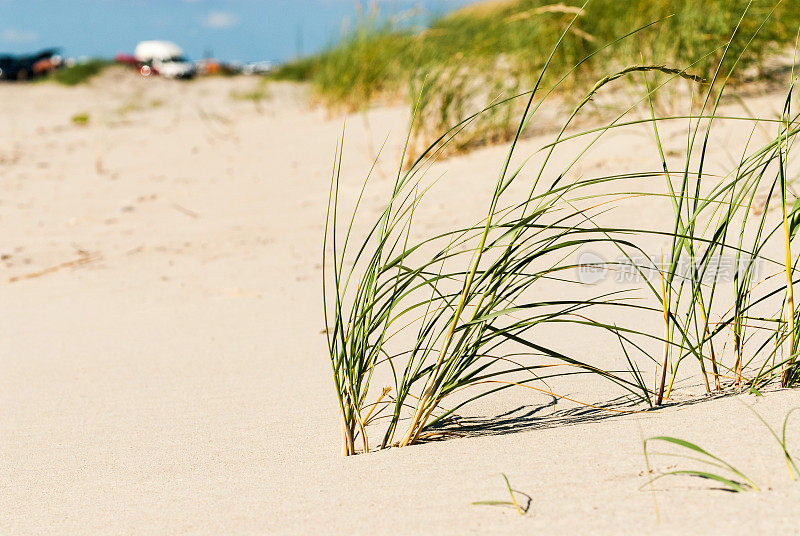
130 59
163 58
9 67
28 66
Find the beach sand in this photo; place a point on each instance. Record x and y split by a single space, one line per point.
163 368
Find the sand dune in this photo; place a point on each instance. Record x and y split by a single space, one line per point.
163 371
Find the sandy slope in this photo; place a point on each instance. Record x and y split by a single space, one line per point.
167 374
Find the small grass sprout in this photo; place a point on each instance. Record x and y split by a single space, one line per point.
728 480
791 466
513 502
731 478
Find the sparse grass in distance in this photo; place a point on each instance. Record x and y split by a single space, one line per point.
133 105
80 73
81 119
256 95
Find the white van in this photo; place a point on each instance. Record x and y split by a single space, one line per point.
165 58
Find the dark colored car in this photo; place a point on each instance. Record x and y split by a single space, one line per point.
9 67
28 66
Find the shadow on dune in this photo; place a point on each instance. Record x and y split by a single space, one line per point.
527 418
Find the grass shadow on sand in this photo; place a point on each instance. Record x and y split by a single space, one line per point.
529 417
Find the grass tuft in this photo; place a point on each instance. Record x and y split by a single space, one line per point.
81 119
459 315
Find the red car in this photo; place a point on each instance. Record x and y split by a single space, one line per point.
129 59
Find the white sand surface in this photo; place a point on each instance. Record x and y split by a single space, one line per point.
163 370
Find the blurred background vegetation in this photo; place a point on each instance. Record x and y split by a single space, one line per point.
491 50
80 73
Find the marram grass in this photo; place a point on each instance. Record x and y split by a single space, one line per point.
463 62
456 316
382 54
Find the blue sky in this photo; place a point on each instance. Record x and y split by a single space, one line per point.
243 30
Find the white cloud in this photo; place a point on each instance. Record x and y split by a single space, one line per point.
220 20
11 35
